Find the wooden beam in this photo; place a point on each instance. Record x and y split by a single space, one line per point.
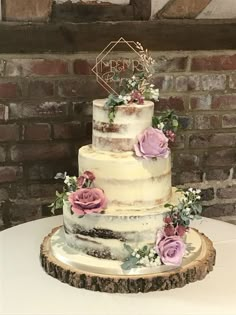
142 9
77 12
164 35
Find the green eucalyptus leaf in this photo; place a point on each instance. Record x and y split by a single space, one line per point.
130 263
128 248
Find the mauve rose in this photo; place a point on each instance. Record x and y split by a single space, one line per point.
87 200
169 230
87 175
152 143
180 230
171 249
81 181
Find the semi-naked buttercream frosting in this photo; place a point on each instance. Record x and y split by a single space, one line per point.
128 181
136 188
130 121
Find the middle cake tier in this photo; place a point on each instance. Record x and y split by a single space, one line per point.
128 182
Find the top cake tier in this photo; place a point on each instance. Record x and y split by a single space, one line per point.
130 121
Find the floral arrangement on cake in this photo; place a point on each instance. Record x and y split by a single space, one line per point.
170 246
153 142
137 88
80 193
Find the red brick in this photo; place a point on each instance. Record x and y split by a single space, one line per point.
70 130
17 67
164 83
232 81
170 64
31 152
207 122
25 210
2 67
10 173
44 190
222 157
229 121
212 140
173 102
3 194
179 142
9 90
82 109
41 88
4 112
212 82
83 67
188 83
217 174
186 161
40 171
47 109
27 10
9 132
226 192
194 176
33 67
3 154
84 87
50 67
185 122
224 102
218 210
213 63
207 194
37 132
89 129
201 102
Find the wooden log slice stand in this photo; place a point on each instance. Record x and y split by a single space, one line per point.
177 278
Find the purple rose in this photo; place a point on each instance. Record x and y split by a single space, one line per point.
152 143
87 200
171 249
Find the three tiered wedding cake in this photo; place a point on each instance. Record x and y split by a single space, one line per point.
126 229
122 219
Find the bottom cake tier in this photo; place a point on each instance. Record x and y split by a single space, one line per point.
103 235
83 271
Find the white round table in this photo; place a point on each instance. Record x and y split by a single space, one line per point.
26 289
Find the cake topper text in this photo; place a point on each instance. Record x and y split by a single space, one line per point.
110 70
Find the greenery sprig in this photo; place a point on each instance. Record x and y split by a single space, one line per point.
188 208
167 120
145 256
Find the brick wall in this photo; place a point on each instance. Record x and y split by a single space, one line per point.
45 116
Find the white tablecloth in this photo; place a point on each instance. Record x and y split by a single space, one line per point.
26 289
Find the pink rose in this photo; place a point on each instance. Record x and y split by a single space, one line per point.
87 200
87 175
152 143
171 249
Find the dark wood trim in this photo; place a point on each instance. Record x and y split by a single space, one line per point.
77 12
142 9
164 35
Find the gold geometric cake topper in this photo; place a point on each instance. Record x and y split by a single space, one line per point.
111 71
